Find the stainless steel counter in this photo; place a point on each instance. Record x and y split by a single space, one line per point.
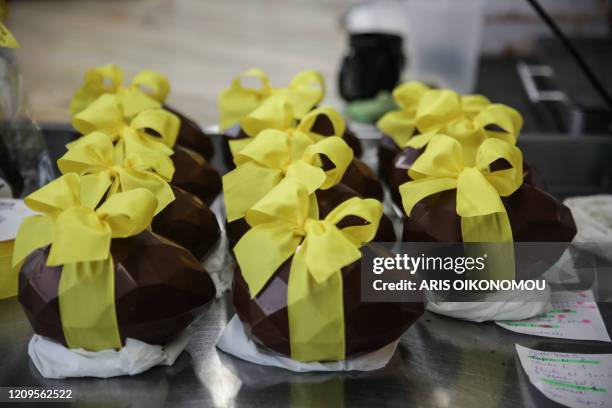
440 362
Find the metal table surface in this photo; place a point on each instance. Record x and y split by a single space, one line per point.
441 362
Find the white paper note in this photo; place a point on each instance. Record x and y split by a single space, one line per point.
574 315
574 380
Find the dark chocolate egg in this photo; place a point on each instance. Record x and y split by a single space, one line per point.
192 136
266 318
160 288
193 174
189 222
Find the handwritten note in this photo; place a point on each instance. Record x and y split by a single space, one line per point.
574 380
574 315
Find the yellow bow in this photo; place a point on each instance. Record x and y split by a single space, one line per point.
304 92
6 37
400 124
442 167
106 115
80 238
281 228
470 119
93 160
277 113
274 155
148 89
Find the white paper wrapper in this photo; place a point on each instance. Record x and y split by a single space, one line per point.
593 217
53 360
234 341
219 262
494 310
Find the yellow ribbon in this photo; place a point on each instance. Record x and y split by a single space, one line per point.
426 112
106 115
80 238
148 89
277 113
479 190
281 228
6 37
304 92
470 119
93 160
400 124
274 155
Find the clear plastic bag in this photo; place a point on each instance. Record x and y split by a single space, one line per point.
24 161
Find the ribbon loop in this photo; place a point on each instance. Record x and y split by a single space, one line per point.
153 84
93 159
106 115
148 90
97 81
304 92
308 123
274 113
400 124
163 122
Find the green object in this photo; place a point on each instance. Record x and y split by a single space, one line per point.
370 110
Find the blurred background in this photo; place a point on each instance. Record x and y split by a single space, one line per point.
201 45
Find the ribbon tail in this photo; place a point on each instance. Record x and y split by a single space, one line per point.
246 185
490 234
414 191
313 177
316 314
398 125
132 179
35 232
94 327
419 141
237 145
135 102
262 250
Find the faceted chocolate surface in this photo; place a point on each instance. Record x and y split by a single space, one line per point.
160 288
387 150
265 316
191 136
535 216
188 222
193 174
363 180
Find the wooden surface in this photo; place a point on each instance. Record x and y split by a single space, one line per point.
199 44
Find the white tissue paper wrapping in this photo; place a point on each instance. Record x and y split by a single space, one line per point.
234 341
593 217
219 262
54 360
493 310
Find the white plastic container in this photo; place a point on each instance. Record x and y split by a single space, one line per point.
444 41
